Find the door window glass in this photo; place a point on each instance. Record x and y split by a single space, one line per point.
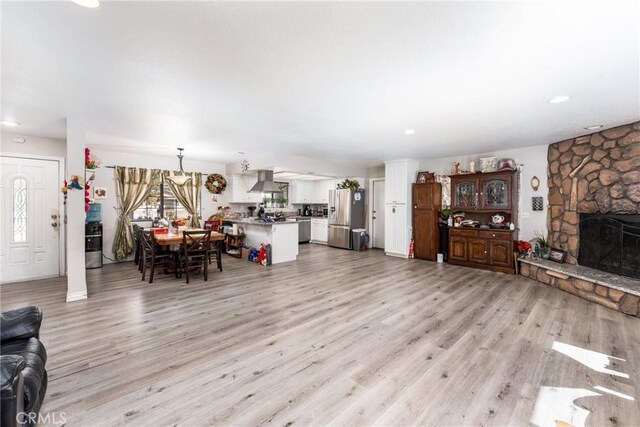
465 194
20 210
496 194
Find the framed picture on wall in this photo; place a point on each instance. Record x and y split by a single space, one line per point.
100 193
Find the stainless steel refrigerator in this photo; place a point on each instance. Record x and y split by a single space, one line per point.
346 212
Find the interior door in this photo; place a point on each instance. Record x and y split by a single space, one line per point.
29 237
377 226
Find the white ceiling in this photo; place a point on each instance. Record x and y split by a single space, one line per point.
331 81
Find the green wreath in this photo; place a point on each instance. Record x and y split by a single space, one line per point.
216 183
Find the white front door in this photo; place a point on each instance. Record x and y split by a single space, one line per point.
378 215
29 236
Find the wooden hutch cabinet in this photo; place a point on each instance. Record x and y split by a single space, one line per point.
480 196
427 199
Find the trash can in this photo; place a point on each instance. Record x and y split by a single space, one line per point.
360 239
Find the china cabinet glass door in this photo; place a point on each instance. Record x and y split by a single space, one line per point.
465 195
495 194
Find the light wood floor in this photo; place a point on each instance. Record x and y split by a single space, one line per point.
339 337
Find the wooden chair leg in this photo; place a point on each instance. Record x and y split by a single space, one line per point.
186 267
153 269
143 267
136 257
176 266
206 267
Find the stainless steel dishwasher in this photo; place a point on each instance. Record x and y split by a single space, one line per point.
304 229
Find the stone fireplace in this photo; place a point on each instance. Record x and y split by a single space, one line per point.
592 174
610 243
594 215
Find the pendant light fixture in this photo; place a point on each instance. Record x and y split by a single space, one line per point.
179 179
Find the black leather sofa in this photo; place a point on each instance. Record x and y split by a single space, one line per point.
22 367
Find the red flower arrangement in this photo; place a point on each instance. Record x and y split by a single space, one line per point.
523 247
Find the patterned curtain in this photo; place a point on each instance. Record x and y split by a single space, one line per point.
134 185
188 194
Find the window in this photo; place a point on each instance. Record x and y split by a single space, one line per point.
20 210
280 199
161 203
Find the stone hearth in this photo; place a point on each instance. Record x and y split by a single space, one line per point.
611 291
597 173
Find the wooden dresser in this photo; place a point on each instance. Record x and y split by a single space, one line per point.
480 196
427 200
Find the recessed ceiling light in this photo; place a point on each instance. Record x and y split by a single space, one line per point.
88 3
409 131
10 123
559 99
19 140
593 127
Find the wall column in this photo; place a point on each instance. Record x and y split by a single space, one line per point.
76 272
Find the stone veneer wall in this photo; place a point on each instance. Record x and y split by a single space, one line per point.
603 295
608 182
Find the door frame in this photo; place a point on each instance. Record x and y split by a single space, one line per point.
62 214
371 202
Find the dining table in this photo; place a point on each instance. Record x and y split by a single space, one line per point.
175 238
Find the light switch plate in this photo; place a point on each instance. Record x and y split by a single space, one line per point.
524 215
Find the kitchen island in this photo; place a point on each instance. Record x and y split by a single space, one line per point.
283 237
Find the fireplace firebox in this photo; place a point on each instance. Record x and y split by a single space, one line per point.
610 243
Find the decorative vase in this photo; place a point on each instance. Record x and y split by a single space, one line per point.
544 252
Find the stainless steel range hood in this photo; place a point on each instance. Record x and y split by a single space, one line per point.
265 183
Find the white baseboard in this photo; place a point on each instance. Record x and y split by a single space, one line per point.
76 296
396 255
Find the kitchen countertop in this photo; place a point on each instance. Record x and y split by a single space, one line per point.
259 222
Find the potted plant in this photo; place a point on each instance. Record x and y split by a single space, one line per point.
445 212
543 243
349 184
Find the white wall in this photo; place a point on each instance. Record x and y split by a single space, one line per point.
375 172
33 145
105 178
533 161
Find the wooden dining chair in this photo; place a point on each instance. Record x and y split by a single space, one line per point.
137 245
215 248
195 246
153 255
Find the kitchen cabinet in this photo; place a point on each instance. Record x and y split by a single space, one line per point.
321 190
319 230
427 200
396 231
399 176
487 249
301 192
240 184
